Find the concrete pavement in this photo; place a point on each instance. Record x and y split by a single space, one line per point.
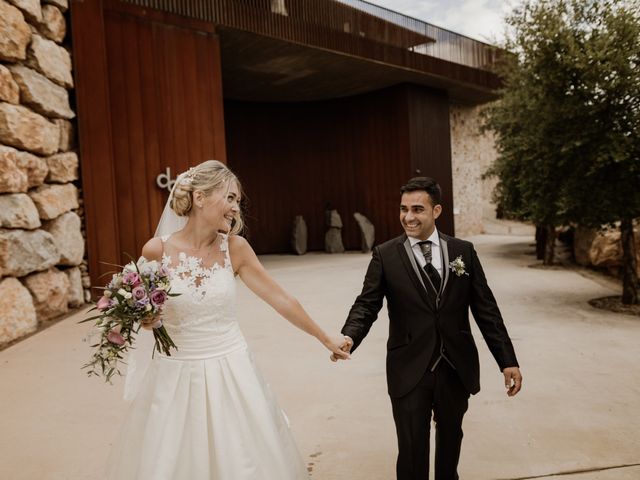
579 409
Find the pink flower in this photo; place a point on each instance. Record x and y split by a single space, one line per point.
158 298
139 293
104 303
132 278
115 337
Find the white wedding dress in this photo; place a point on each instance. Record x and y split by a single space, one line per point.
205 412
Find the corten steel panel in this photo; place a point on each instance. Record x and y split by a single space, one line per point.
351 153
166 111
149 96
96 156
430 144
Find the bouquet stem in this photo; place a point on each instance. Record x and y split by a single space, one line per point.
163 341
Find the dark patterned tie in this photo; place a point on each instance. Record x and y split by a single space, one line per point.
429 269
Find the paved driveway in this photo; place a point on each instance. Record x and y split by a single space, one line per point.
579 410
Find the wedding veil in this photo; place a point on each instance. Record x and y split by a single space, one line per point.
139 358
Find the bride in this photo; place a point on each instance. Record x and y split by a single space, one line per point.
205 412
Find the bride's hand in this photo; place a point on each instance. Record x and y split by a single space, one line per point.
339 347
151 322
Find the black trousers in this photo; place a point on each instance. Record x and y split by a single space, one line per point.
442 393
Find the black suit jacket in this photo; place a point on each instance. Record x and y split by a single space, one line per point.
416 322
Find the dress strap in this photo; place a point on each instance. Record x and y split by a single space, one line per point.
163 240
224 247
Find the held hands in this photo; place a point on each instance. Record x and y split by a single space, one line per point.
345 347
337 345
512 380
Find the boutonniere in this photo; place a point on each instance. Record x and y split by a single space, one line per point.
457 266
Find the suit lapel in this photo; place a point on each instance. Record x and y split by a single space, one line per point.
412 260
445 264
410 264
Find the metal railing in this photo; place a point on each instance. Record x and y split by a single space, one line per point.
355 27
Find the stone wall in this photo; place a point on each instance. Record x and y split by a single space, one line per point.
42 273
472 153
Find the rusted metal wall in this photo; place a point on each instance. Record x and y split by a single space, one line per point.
149 94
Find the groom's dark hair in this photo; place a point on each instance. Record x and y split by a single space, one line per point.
426 184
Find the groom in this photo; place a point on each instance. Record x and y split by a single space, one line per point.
430 281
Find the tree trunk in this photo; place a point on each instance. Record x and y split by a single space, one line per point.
549 244
540 242
629 275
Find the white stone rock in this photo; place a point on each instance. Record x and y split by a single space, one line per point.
299 235
68 238
17 313
53 25
367 231
67 139
333 219
61 4
15 33
18 211
30 8
54 200
333 240
24 129
35 167
50 292
76 292
9 89
50 59
41 94
333 237
12 177
63 167
23 252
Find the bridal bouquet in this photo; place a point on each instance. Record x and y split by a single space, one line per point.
138 293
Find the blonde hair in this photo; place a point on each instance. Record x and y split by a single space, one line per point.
208 177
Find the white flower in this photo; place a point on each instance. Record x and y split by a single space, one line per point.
116 281
123 293
129 267
147 268
458 266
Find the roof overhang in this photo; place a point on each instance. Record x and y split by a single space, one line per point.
264 69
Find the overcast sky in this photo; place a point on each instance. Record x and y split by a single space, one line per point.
480 19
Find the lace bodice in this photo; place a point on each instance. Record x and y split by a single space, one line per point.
207 293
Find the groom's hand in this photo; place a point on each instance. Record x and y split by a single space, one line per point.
512 380
345 347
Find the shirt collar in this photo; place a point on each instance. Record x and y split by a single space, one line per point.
435 239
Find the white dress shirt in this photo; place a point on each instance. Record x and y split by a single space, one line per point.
436 251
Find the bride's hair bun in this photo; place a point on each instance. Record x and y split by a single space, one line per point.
182 200
207 177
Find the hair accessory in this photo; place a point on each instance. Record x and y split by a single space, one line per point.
187 177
